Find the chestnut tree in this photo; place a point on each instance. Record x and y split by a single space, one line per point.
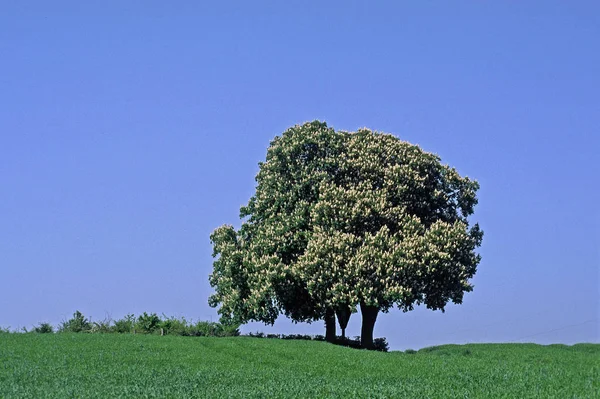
347 220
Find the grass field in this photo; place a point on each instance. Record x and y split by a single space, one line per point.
114 365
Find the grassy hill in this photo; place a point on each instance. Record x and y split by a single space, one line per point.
114 365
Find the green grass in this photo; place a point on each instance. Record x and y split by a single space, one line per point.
113 365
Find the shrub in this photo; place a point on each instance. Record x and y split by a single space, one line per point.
43 328
208 329
124 325
296 336
410 351
230 330
78 323
147 323
102 326
380 344
175 326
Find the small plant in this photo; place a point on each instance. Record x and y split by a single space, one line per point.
78 323
43 328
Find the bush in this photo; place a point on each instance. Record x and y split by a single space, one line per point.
175 326
296 336
230 330
147 323
380 344
43 328
78 323
124 325
102 326
410 351
208 329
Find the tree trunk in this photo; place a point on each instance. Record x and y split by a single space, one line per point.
343 314
369 316
329 325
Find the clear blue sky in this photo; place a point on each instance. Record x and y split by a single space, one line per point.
129 132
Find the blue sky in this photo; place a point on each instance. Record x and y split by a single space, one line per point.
129 132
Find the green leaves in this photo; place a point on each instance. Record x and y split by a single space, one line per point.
341 218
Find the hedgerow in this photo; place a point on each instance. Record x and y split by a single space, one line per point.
151 323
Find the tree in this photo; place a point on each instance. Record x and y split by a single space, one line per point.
391 229
344 220
252 275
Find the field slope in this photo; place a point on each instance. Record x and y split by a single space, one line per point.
96 365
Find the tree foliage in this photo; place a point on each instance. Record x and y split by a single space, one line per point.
345 219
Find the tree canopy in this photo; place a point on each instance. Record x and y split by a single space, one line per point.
342 220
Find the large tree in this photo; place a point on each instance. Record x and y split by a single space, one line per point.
344 220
